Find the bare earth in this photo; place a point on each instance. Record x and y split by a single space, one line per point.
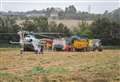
69 23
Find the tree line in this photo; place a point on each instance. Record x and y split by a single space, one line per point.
12 25
102 28
69 12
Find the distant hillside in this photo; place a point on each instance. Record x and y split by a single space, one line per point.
69 12
70 16
69 23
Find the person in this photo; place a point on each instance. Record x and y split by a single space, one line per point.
21 35
42 48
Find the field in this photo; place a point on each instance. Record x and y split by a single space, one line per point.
59 66
70 23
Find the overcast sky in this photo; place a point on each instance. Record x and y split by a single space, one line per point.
95 6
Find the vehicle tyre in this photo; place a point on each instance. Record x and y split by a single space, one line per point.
36 52
77 50
85 49
100 49
21 51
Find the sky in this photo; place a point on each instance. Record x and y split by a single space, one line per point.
93 6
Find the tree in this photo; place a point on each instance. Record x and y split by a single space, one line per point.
41 23
63 29
70 12
71 9
52 27
28 26
8 25
83 29
61 14
60 28
116 15
107 30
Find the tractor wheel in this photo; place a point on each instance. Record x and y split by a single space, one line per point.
100 49
93 49
21 51
77 50
85 49
88 49
36 52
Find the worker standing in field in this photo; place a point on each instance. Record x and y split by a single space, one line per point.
42 48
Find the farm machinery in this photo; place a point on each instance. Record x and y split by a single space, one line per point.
87 45
77 43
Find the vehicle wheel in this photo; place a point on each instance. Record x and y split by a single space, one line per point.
88 49
21 51
36 52
77 50
85 49
93 49
100 49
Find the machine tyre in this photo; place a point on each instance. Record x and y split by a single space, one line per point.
94 49
85 49
21 51
100 49
36 52
77 50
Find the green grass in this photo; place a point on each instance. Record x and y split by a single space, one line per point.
49 70
112 47
3 45
104 71
8 77
9 47
38 70
57 70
